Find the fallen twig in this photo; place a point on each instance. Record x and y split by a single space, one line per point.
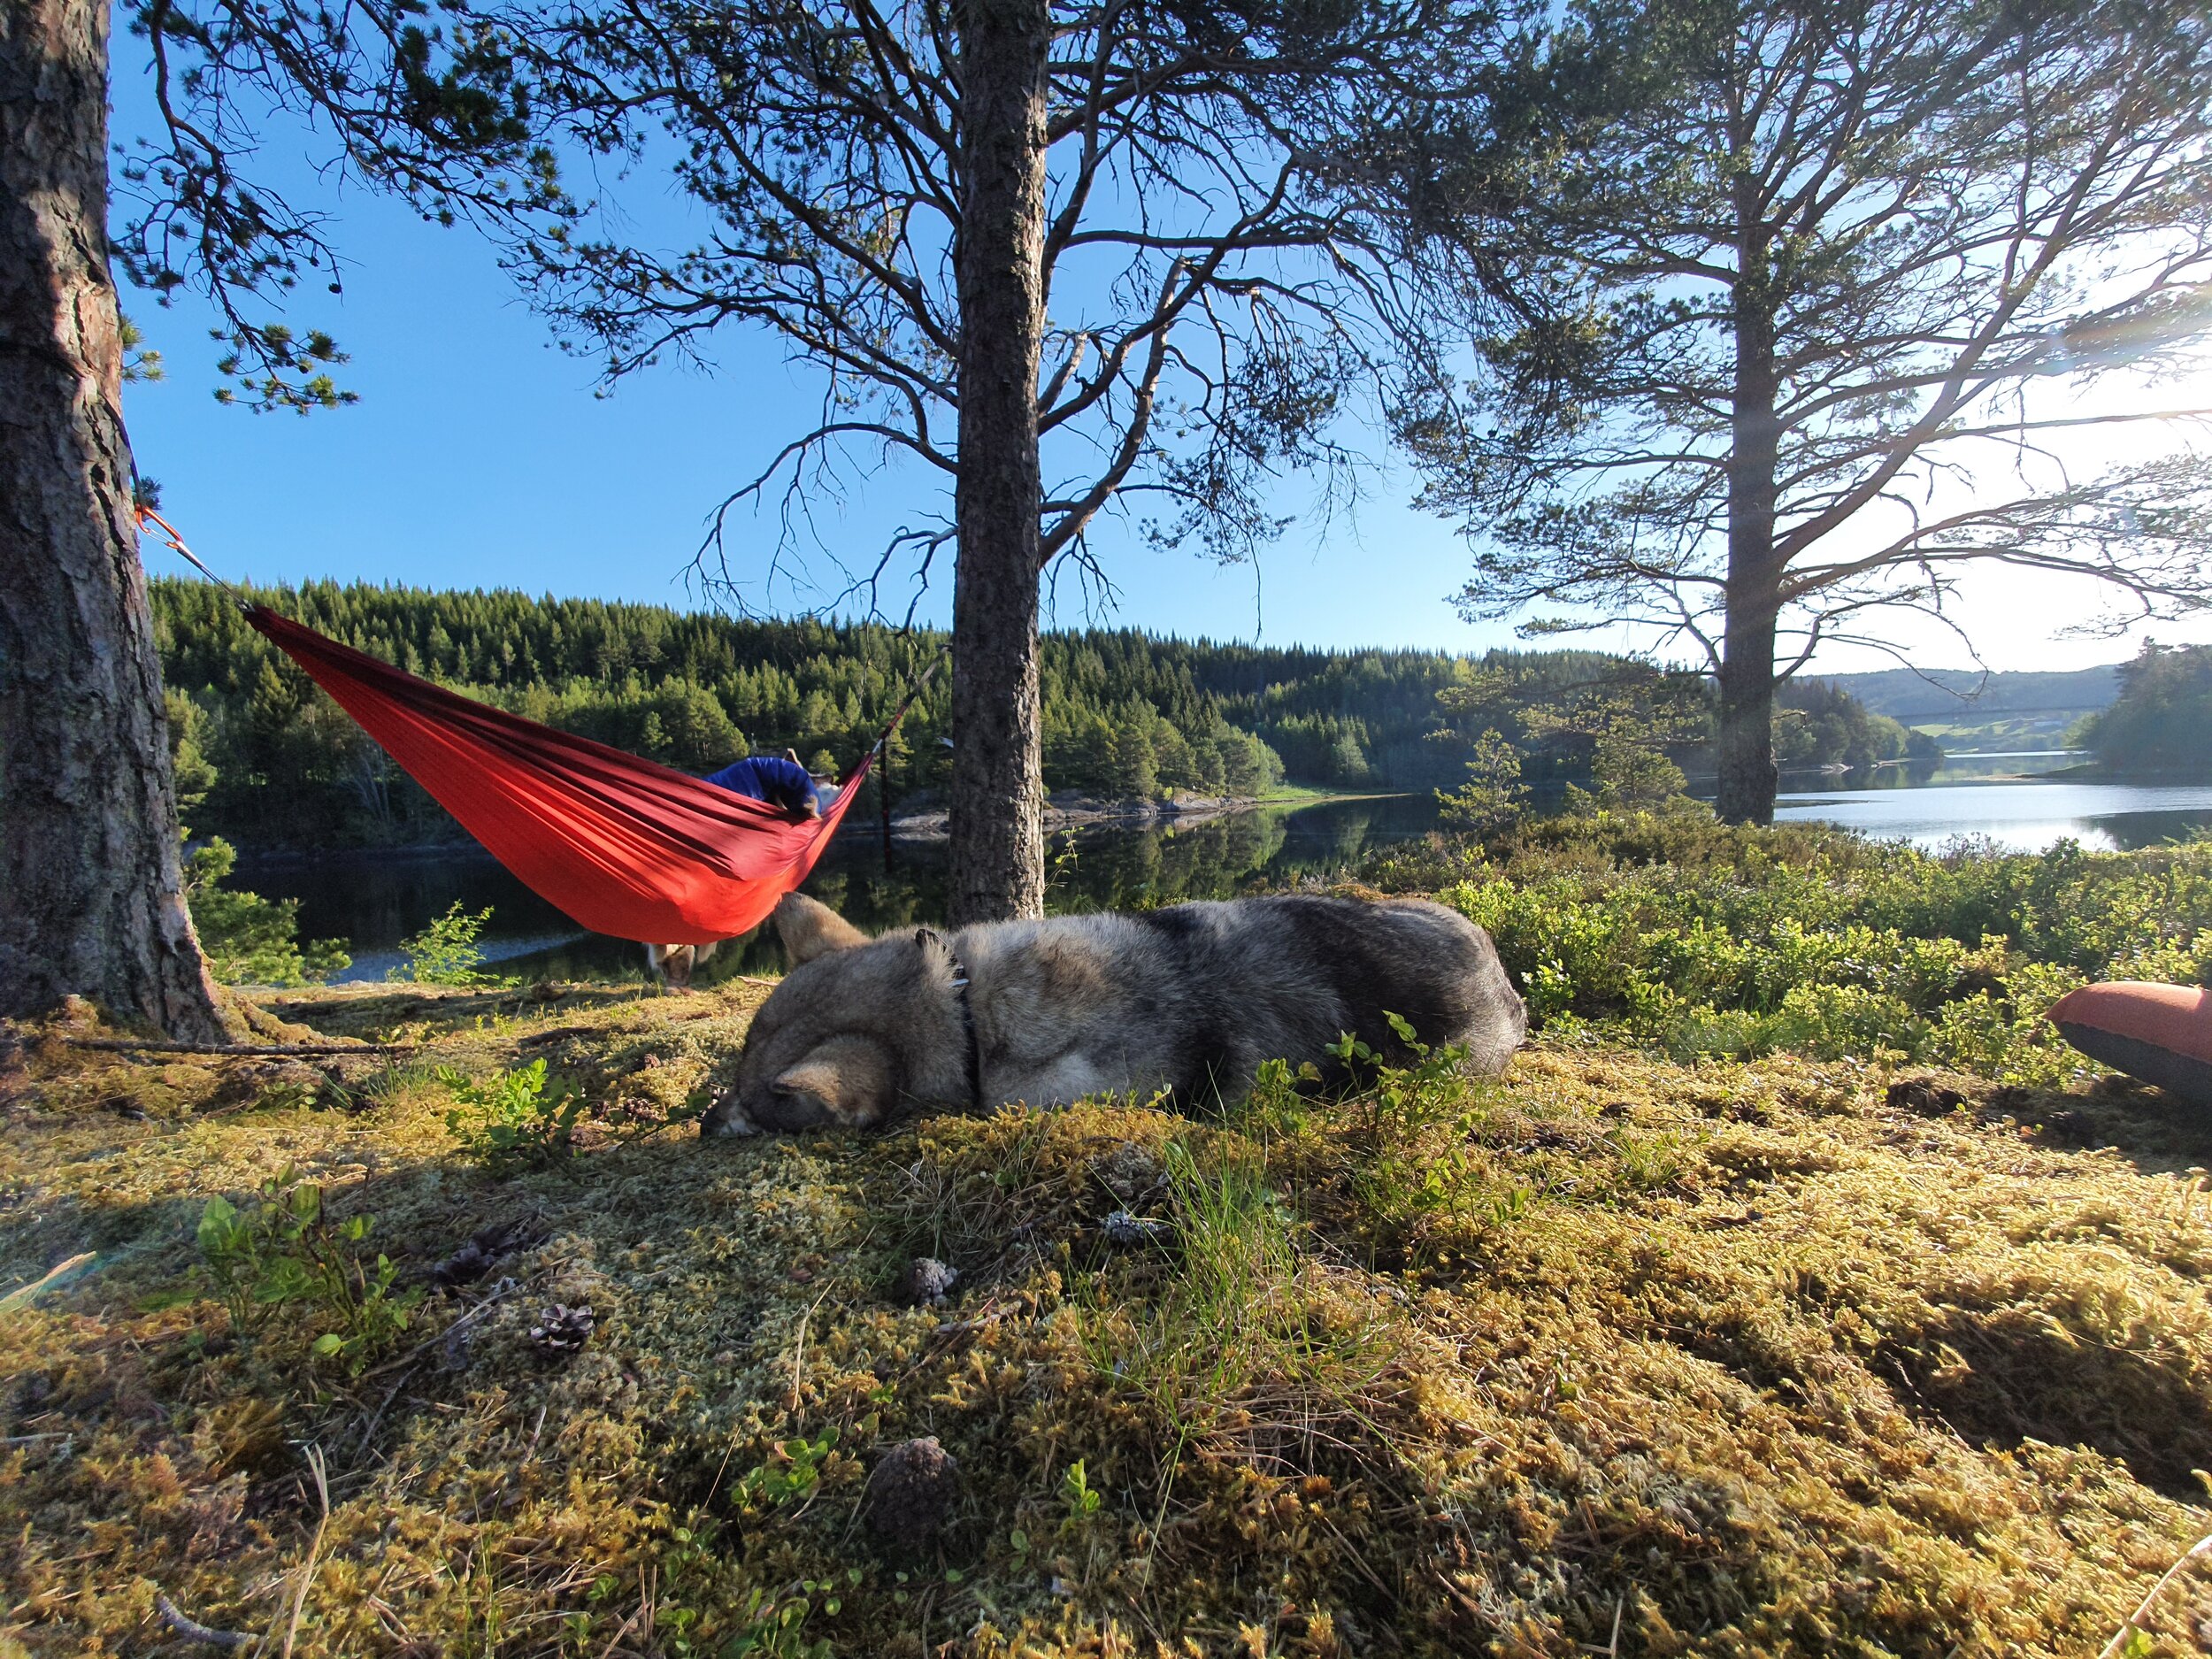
621 1631
192 1630
239 1050
377 1417
503 1288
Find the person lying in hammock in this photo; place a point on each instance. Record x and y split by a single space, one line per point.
780 782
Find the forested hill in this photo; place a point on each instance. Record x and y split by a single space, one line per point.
2162 719
265 758
1125 714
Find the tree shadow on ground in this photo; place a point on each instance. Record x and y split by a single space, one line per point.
2003 1377
441 1009
2155 1131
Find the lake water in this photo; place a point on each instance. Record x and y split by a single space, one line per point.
376 900
1998 797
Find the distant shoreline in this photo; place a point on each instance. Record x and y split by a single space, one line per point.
2097 772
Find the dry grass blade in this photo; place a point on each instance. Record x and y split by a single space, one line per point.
24 1295
314 1547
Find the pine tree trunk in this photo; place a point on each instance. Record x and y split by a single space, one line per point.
1748 773
998 854
91 899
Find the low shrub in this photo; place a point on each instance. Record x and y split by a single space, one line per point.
446 952
1703 939
249 940
515 1121
284 1249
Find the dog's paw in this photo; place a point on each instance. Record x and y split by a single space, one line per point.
726 1116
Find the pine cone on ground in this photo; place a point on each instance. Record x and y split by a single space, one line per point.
561 1329
910 1495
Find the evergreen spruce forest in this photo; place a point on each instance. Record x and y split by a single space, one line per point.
265 758
2159 722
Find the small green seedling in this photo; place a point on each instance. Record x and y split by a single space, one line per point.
793 1471
1083 1499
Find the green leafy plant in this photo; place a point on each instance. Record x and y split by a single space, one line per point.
516 1121
284 1249
249 940
1402 1103
447 952
774 1625
794 1470
1415 1123
1082 1499
1697 939
697 1604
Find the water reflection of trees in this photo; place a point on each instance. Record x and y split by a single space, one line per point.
1904 774
1133 868
376 901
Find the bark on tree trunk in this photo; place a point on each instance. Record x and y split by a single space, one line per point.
1747 774
998 853
91 899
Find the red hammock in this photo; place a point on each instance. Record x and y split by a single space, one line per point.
622 845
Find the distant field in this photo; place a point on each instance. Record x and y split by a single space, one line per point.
2002 731
1965 710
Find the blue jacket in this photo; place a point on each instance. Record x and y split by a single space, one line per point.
772 778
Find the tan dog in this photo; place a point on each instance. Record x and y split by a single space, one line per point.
1187 1000
674 964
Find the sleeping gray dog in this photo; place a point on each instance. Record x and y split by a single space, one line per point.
1186 1001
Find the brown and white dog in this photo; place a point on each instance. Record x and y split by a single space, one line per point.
673 965
1187 1000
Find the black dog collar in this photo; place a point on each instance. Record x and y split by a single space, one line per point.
973 1056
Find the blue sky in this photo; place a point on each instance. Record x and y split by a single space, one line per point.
480 455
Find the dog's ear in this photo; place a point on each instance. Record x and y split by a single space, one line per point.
846 1080
810 929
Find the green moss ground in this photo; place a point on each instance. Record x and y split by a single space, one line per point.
1620 1355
